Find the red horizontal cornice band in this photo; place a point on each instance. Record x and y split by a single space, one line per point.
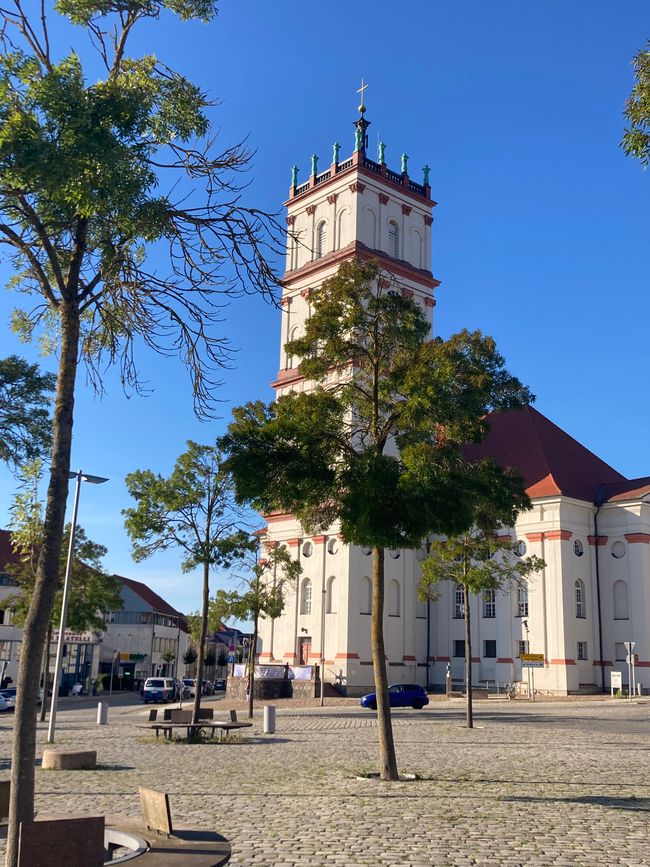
347 656
638 537
356 248
562 662
505 659
602 540
602 662
550 535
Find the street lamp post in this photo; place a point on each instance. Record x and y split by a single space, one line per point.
94 480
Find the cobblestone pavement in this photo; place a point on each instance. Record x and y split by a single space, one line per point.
532 784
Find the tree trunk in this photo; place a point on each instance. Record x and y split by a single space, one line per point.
46 672
387 760
468 660
251 667
47 581
202 640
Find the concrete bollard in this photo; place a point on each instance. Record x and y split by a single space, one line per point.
269 720
102 713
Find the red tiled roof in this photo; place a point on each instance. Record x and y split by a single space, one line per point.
550 461
631 489
145 593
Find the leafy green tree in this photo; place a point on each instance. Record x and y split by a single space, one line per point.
210 658
222 659
123 225
190 656
262 595
381 450
193 510
479 561
25 399
91 591
636 140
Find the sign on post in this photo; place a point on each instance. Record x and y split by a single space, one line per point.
615 681
532 660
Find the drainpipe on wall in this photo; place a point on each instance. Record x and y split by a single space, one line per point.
599 502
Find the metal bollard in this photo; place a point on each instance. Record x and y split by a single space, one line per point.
102 713
269 720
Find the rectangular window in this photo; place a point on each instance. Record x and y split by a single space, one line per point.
5 651
489 649
489 604
459 603
620 652
582 650
523 647
459 648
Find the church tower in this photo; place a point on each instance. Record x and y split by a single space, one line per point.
357 207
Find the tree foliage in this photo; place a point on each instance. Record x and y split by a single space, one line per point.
262 594
25 400
193 510
377 443
123 224
479 561
636 140
92 592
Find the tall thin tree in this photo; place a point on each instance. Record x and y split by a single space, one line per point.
123 224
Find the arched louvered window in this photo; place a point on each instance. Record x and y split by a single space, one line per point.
330 599
365 606
321 239
305 597
393 239
581 609
621 606
394 598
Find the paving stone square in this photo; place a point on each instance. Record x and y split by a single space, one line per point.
549 783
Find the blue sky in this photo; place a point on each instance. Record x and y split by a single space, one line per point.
540 236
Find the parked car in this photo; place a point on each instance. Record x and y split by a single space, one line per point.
159 689
8 695
189 687
220 685
399 695
208 688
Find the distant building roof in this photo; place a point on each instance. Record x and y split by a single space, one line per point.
156 602
550 461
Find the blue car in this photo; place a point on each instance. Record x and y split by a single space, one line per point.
399 695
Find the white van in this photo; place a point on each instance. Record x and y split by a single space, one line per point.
159 689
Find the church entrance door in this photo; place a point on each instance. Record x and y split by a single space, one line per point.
305 647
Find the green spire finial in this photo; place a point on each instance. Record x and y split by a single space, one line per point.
405 159
294 176
381 150
336 147
426 171
314 164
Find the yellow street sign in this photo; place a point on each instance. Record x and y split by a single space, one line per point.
531 657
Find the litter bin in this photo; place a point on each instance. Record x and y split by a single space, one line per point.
269 720
102 713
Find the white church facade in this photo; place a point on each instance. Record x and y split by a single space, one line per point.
588 523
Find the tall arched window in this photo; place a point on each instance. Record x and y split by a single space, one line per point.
621 605
365 600
321 238
342 230
393 239
416 248
293 334
305 597
459 602
522 601
489 603
581 608
394 598
330 599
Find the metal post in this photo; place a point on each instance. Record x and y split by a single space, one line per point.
323 599
64 612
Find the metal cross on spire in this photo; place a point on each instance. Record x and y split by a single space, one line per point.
362 90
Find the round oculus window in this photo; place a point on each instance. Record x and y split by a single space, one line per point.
307 549
520 548
394 554
618 550
332 546
366 551
578 548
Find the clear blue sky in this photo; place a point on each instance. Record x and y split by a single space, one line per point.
540 237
